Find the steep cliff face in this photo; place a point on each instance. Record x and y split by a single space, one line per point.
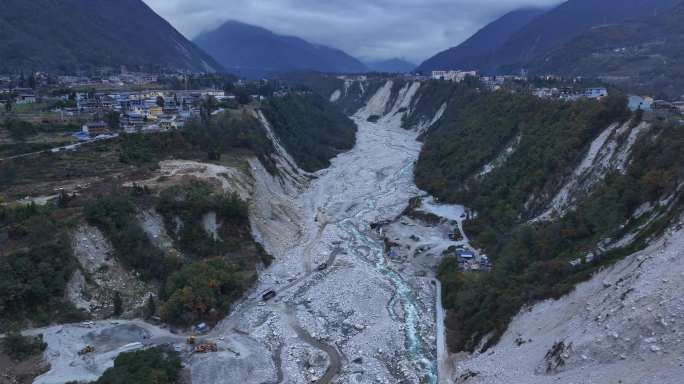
413 105
609 152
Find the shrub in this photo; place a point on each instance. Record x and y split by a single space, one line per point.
22 347
35 270
115 216
204 291
150 366
190 202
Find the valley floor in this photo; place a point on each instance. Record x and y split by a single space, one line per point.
342 311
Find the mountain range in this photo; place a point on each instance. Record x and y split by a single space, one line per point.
72 35
482 44
391 66
509 43
646 53
253 51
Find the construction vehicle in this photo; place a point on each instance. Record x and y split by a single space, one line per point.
205 348
268 295
88 349
191 340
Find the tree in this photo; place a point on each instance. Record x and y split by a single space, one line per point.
8 103
113 119
21 347
118 304
243 96
32 81
150 307
160 101
149 366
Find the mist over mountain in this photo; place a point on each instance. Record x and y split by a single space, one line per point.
253 51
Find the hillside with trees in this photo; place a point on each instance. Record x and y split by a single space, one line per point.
533 258
482 44
71 35
645 54
312 130
522 38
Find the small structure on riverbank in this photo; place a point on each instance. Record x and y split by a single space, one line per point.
469 260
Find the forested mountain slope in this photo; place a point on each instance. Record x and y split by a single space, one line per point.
527 36
509 157
567 21
485 42
646 53
310 128
71 35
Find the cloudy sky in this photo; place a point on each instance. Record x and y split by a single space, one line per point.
368 29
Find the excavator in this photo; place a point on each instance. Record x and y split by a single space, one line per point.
86 350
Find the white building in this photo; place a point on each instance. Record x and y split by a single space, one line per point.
456 76
596 93
25 98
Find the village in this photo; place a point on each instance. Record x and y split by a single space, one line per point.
100 107
142 102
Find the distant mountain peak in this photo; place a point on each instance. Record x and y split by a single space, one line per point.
254 51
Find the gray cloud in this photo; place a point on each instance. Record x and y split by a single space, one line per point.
371 29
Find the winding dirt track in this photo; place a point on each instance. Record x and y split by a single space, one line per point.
335 358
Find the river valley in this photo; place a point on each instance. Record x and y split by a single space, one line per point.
344 311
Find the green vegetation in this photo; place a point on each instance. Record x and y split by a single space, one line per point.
138 148
230 131
310 129
22 347
189 203
115 216
479 126
214 271
644 54
532 261
35 264
20 130
204 291
149 366
223 266
433 95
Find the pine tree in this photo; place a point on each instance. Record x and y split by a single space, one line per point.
118 304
